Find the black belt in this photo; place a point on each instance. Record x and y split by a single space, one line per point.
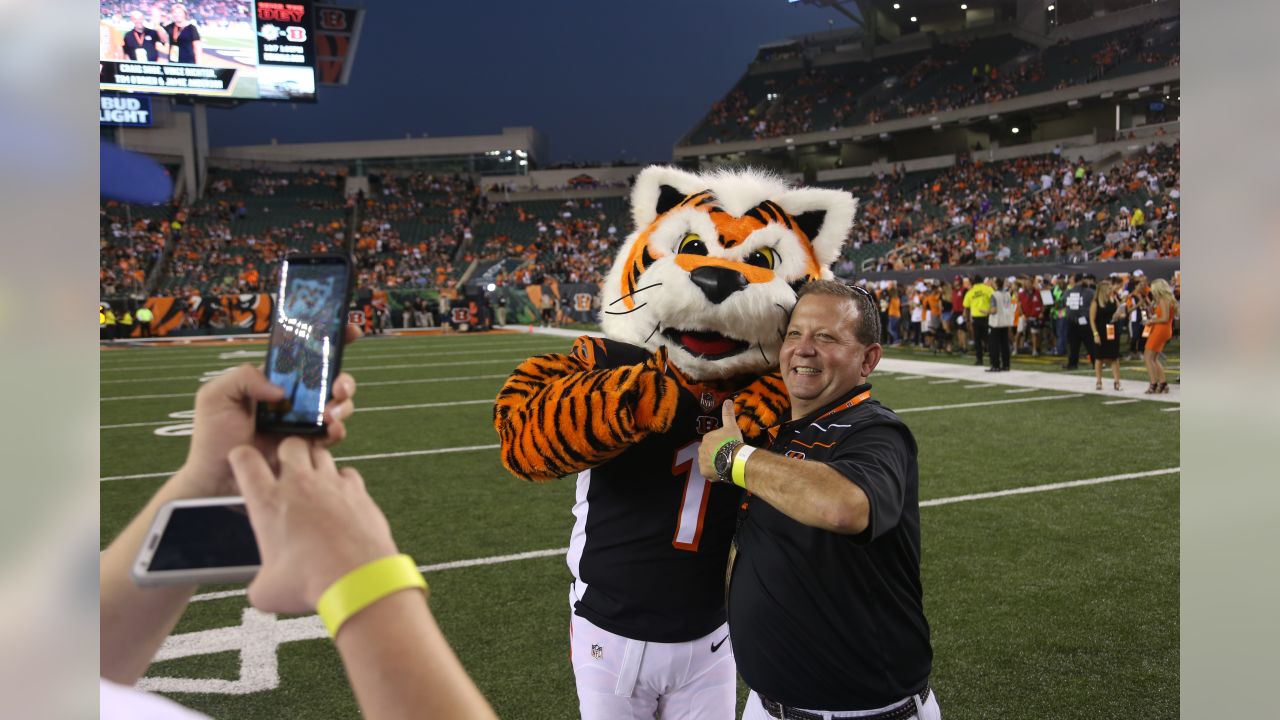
902 712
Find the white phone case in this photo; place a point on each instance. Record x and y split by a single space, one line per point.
143 576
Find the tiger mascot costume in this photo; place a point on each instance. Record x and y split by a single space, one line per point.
693 311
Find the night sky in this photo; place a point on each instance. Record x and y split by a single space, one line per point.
603 81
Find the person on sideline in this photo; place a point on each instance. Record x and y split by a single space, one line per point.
1104 312
977 306
826 607
1159 330
1000 322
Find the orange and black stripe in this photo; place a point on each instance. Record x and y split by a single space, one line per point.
557 415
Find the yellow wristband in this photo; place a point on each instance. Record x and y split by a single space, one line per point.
364 586
739 472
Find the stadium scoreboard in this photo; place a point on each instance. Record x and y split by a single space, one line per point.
239 49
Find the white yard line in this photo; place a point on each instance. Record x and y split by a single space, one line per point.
984 403
979 386
1173 409
944 382
1122 402
904 378
414 406
1020 390
498 559
216 362
348 458
470 448
363 384
1048 487
513 361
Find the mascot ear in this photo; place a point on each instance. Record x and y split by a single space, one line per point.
826 216
659 188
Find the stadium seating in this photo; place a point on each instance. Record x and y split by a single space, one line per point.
1018 210
773 104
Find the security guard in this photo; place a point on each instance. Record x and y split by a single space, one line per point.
977 306
145 316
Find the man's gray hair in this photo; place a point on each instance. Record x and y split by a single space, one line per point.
867 327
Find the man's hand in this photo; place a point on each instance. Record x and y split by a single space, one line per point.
224 419
712 441
314 523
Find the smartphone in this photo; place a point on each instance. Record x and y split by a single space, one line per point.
307 331
201 540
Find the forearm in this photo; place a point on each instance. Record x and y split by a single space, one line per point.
554 420
134 620
808 492
401 666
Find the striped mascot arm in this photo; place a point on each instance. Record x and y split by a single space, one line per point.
760 406
557 414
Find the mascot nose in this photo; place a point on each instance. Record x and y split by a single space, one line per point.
718 283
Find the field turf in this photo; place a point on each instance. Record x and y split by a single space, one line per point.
1060 603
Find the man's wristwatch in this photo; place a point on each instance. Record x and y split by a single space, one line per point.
724 460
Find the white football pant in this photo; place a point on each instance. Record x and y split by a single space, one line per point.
623 679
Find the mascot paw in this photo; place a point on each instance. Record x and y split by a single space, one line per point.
656 394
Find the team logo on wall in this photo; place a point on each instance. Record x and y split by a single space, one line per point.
331 19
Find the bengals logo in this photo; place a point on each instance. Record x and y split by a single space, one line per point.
707 423
355 317
582 302
333 19
795 454
461 315
295 33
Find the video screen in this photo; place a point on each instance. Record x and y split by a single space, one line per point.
206 537
305 339
214 48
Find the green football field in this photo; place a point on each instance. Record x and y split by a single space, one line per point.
1061 602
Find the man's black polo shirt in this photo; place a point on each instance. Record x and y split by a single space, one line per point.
827 621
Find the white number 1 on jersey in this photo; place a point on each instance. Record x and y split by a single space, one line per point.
693 504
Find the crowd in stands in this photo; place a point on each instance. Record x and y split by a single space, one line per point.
948 77
129 247
205 13
1030 209
575 244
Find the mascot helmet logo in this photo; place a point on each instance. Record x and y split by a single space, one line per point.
711 270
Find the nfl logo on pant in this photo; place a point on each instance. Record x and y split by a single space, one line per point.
597 652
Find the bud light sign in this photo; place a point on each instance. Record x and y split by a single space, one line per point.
124 110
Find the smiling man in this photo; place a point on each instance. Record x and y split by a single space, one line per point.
825 604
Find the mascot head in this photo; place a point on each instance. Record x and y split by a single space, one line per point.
712 268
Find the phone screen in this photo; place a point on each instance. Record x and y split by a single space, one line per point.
306 340
213 536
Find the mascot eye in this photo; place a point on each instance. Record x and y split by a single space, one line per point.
766 258
692 244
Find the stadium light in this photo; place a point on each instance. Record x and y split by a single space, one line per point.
1051 8
913 18
896 6
963 6
490 287
1015 131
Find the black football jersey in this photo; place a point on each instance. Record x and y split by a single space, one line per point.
651 536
